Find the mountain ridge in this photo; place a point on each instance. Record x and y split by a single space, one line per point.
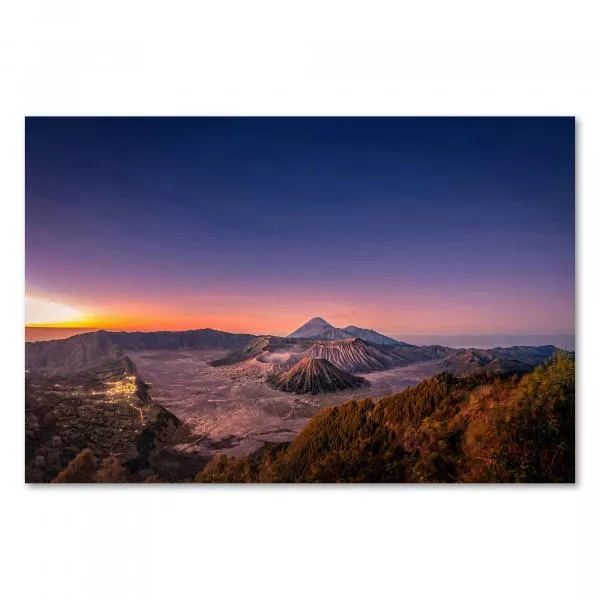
353 355
85 349
370 335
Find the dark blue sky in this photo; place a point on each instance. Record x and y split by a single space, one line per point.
407 224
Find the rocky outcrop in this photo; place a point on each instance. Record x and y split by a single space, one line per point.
71 354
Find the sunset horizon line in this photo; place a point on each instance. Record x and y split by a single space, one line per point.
242 330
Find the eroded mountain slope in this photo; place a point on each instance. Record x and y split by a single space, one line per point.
314 376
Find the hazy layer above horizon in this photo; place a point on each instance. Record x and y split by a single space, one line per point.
565 341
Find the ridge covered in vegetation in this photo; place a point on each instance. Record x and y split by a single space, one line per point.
483 428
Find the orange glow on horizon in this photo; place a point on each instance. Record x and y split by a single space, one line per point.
275 316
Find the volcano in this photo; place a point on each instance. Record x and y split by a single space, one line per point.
314 376
318 328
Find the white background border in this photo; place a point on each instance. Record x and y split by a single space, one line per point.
286 58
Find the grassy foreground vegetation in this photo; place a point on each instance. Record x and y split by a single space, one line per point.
85 468
482 428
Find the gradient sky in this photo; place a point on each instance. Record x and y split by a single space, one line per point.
405 225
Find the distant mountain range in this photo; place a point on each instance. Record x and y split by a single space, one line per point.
501 360
318 328
350 350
